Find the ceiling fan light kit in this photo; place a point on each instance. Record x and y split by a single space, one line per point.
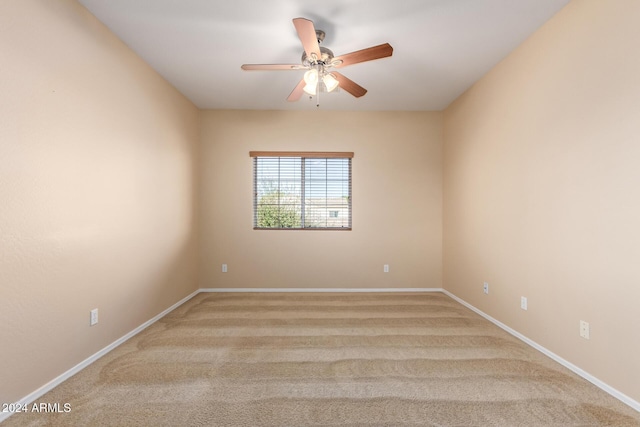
318 78
319 60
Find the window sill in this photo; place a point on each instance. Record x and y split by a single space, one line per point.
306 229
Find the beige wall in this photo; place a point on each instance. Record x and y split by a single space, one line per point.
97 177
397 201
541 189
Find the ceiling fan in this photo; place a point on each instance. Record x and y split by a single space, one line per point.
318 61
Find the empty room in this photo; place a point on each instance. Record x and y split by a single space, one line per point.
293 213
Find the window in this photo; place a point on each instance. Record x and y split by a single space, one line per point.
301 190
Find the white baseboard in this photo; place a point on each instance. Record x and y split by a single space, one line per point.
58 380
30 398
321 290
595 381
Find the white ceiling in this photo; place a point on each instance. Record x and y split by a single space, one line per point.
441 47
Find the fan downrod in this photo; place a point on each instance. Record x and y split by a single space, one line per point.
326 53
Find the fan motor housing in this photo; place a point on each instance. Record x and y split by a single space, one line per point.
326 57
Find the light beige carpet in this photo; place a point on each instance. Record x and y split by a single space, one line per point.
242 359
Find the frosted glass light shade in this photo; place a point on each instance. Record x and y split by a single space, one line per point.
310 88
330 82
311 80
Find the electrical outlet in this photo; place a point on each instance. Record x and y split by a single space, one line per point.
585 331
93 318
224 268
485 288
386 268
523 303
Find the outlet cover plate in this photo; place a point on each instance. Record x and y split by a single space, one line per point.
585 331
93 319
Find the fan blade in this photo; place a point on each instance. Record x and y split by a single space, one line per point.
349 85
369 54
307 33
272 67
297 92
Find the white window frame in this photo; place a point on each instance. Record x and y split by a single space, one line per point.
303 202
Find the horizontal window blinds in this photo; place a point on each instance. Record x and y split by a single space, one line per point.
302 191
